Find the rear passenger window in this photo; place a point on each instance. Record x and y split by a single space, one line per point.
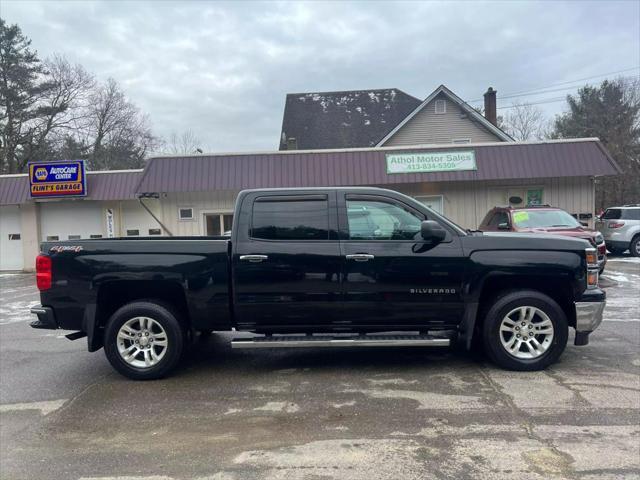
299 219
631 214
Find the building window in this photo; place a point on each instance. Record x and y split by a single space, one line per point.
185 213
534 196
133 233
74 237
14 236
461 140
95 235
441 106
52 238
217 224
155 231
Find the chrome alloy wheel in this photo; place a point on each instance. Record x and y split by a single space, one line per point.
142 342
526 332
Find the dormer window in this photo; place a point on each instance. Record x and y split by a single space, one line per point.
441 106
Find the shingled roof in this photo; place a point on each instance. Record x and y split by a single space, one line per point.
349 119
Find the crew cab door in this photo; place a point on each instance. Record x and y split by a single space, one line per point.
392 276
286 261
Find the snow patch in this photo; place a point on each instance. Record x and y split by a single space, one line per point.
45 407
286 407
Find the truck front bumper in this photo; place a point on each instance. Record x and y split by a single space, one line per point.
589 315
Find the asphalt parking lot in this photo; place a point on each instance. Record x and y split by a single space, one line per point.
321 414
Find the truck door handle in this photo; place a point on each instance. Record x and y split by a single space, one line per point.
360 257
253 258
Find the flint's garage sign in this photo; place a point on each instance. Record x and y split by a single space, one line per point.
431 162
65 178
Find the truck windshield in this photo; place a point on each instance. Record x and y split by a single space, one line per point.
543 219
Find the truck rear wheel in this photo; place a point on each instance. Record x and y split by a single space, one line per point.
144 340
525 330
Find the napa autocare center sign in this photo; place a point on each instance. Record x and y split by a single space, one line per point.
431 162
65 178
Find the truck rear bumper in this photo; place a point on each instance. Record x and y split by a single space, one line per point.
46 318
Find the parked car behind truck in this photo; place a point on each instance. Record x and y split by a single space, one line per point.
543 219
620 227
329 267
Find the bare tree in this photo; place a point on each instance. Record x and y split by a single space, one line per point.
524 121
119 133
183 144
64 106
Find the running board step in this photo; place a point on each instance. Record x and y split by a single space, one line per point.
330 341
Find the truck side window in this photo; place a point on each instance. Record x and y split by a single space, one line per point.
377 220
291 220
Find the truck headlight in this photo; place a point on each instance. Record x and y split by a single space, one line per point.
592 267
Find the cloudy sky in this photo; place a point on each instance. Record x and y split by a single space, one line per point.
223 69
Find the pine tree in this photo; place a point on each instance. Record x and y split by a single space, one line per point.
610 112
21 88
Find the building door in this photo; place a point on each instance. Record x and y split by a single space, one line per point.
71 220
10 238
216 224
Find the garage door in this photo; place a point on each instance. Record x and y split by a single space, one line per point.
10 238
71 220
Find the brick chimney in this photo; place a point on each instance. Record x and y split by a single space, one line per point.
490 106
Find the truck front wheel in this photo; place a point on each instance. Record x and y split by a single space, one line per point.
143 340
525 330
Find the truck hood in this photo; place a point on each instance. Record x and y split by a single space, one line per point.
524 241
576 232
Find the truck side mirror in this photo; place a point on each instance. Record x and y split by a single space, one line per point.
432 231
503 226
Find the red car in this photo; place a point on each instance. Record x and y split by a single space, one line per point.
542 219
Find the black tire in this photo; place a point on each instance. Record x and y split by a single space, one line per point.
163 315
634 247
507 302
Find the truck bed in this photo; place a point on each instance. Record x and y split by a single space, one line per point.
196 268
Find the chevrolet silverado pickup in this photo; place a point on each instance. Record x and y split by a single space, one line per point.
323 267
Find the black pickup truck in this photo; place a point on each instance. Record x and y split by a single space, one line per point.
323 267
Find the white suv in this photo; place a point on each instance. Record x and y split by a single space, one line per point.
620 227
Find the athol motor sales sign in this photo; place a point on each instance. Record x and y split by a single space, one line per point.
431 162
66 178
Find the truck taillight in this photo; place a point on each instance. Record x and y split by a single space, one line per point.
43 272
616 224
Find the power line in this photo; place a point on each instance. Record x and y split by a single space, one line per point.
531 92
547 100
625 80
